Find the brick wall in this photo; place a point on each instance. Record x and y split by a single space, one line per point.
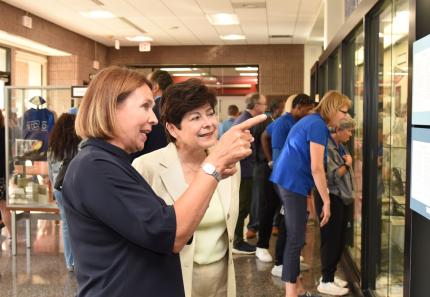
281 66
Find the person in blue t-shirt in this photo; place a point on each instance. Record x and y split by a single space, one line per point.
233 113
276 133
273 139
298 169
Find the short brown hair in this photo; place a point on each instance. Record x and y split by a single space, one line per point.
111 86
184 97
330 104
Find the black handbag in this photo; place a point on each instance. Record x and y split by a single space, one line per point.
61 173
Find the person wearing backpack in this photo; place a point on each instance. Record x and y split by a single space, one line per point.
62 147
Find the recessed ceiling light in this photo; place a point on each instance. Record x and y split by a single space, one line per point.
232 37
97 14
175 69
223 19
248 74
139 38
246 68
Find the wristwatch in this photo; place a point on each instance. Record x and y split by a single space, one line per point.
208 168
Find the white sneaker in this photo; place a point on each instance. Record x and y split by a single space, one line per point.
338 282
277 270
332 289
263 255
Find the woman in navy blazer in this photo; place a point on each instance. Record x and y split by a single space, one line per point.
124 238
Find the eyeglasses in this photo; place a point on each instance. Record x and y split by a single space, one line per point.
343 111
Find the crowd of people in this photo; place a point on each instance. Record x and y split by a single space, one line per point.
155 192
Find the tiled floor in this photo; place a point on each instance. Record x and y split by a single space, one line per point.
40 271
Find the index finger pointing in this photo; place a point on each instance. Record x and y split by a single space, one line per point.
248 124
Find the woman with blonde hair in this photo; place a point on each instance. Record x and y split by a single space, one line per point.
298 169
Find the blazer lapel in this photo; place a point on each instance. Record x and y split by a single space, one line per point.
175 184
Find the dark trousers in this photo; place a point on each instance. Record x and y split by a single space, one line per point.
280 241
254 211
268 203
245 194
333 235
295 206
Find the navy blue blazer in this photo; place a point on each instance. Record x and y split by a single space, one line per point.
122 234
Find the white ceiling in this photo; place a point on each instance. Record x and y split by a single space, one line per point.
182 22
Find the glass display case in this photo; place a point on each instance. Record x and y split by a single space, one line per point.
30 116
392 131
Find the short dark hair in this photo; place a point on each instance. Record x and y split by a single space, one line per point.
184 97
233 110
302 99
162 78
275 104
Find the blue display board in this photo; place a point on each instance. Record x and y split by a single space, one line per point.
421 82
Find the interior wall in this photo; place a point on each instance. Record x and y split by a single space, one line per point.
84 49
280 66
311 55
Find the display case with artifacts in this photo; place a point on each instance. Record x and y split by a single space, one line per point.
34 111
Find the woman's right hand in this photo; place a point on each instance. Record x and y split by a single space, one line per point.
233 146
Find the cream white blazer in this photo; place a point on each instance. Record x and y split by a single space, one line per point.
163 171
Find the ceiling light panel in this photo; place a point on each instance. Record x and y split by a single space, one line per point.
223 19
232 37
139 38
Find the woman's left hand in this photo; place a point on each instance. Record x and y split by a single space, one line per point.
325 214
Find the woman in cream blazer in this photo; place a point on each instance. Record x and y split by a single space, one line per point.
188 114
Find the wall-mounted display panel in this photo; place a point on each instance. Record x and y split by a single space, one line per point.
421 85
420 167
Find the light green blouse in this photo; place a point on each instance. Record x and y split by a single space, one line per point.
211 235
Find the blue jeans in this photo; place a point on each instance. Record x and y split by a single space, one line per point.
295 206
68 255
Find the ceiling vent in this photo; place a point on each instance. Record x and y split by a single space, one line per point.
98 2
281 36
249 5
133 25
